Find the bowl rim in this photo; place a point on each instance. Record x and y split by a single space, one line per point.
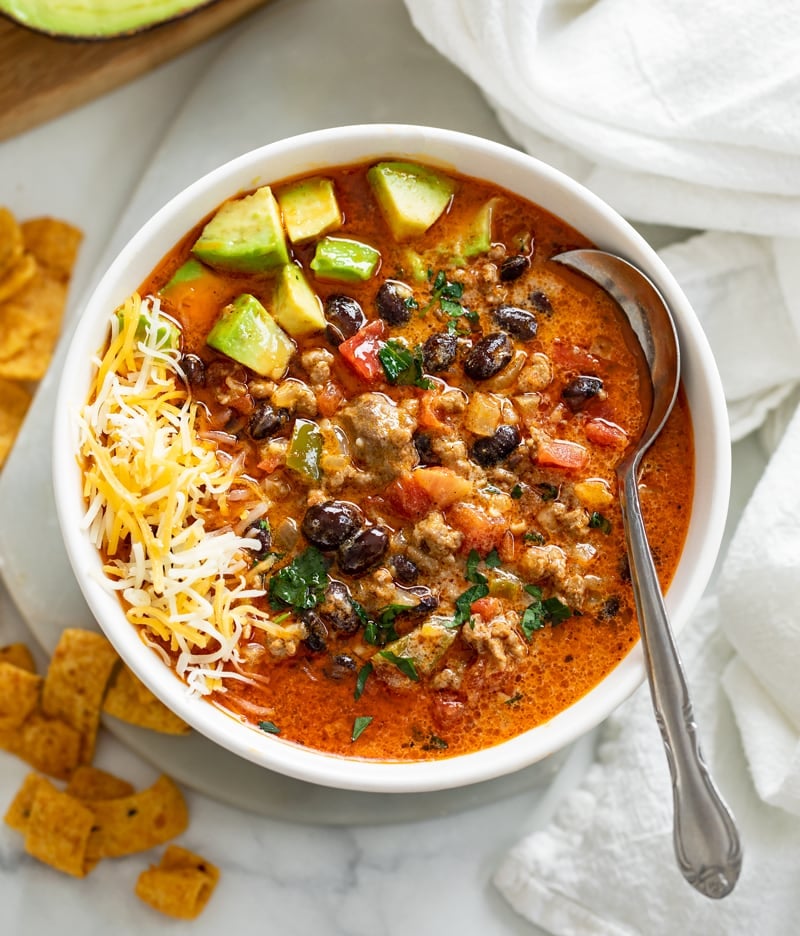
520 173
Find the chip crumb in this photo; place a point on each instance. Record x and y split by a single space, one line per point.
18 654
180 885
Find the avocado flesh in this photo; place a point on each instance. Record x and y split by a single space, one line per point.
410 197
187 273
245 236
247 333
347 260
96 19
310 209
424 646
295 306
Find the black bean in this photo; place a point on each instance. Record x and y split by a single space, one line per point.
337 611
610 608
316 631
405 571
392 302
516 321
329 524
194 369
266 420
345 317
489 356
540 302
489 451
423 445
363 550
343 665
513 267
427 600
578 393
439 352
259 530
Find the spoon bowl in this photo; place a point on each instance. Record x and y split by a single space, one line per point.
706 839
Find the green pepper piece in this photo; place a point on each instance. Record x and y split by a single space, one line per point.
305 449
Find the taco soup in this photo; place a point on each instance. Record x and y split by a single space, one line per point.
350 461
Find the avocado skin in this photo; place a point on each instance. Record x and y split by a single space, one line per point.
103 19
245 236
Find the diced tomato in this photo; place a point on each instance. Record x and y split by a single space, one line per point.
442 485
560 453
408 498
487 607
573 357
481 532
270 463
329 398
603 432
428 418
361 351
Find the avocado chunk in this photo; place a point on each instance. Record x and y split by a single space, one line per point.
309 209
187 273
296 307
98 19
245 235
168 332
477 238
247 333
350 261
410 197
424 647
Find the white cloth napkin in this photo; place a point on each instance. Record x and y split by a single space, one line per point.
688 114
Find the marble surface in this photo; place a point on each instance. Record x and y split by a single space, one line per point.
105 167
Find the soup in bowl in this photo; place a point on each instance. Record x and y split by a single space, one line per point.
342 442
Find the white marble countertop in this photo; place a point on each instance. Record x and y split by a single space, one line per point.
429 876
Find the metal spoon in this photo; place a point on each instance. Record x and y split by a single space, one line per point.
706 840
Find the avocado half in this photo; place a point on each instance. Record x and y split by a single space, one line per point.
96 19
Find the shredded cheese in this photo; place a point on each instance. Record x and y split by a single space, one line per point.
159 506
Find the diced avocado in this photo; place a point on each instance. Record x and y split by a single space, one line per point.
424 646
338 259
247 333
410 197
187 273
414 266
305 449
309 209
477 238
246 235
296 307
168 332
96 19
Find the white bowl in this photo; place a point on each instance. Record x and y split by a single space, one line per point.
471 156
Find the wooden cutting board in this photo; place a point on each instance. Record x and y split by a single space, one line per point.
41 78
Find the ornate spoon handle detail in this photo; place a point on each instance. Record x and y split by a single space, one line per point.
706 840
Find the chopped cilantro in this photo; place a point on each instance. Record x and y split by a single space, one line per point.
361 680
402 366
300 584
493 561
404 664
435 743
547 492
516 491
380 631
360 725
472 574
410 303
542 611
518 697
533 537
598 522
269 727
464 602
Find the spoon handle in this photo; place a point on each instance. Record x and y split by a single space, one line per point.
705 837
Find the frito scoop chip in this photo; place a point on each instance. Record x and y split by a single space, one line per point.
48 744
30 322
14 402
58 831
92 783
180 885
76 681
53 243
19 695
19 655
17 276
11 241
131 701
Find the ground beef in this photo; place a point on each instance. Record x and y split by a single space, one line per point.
381 436
317 364
434 537
297 397
495 638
